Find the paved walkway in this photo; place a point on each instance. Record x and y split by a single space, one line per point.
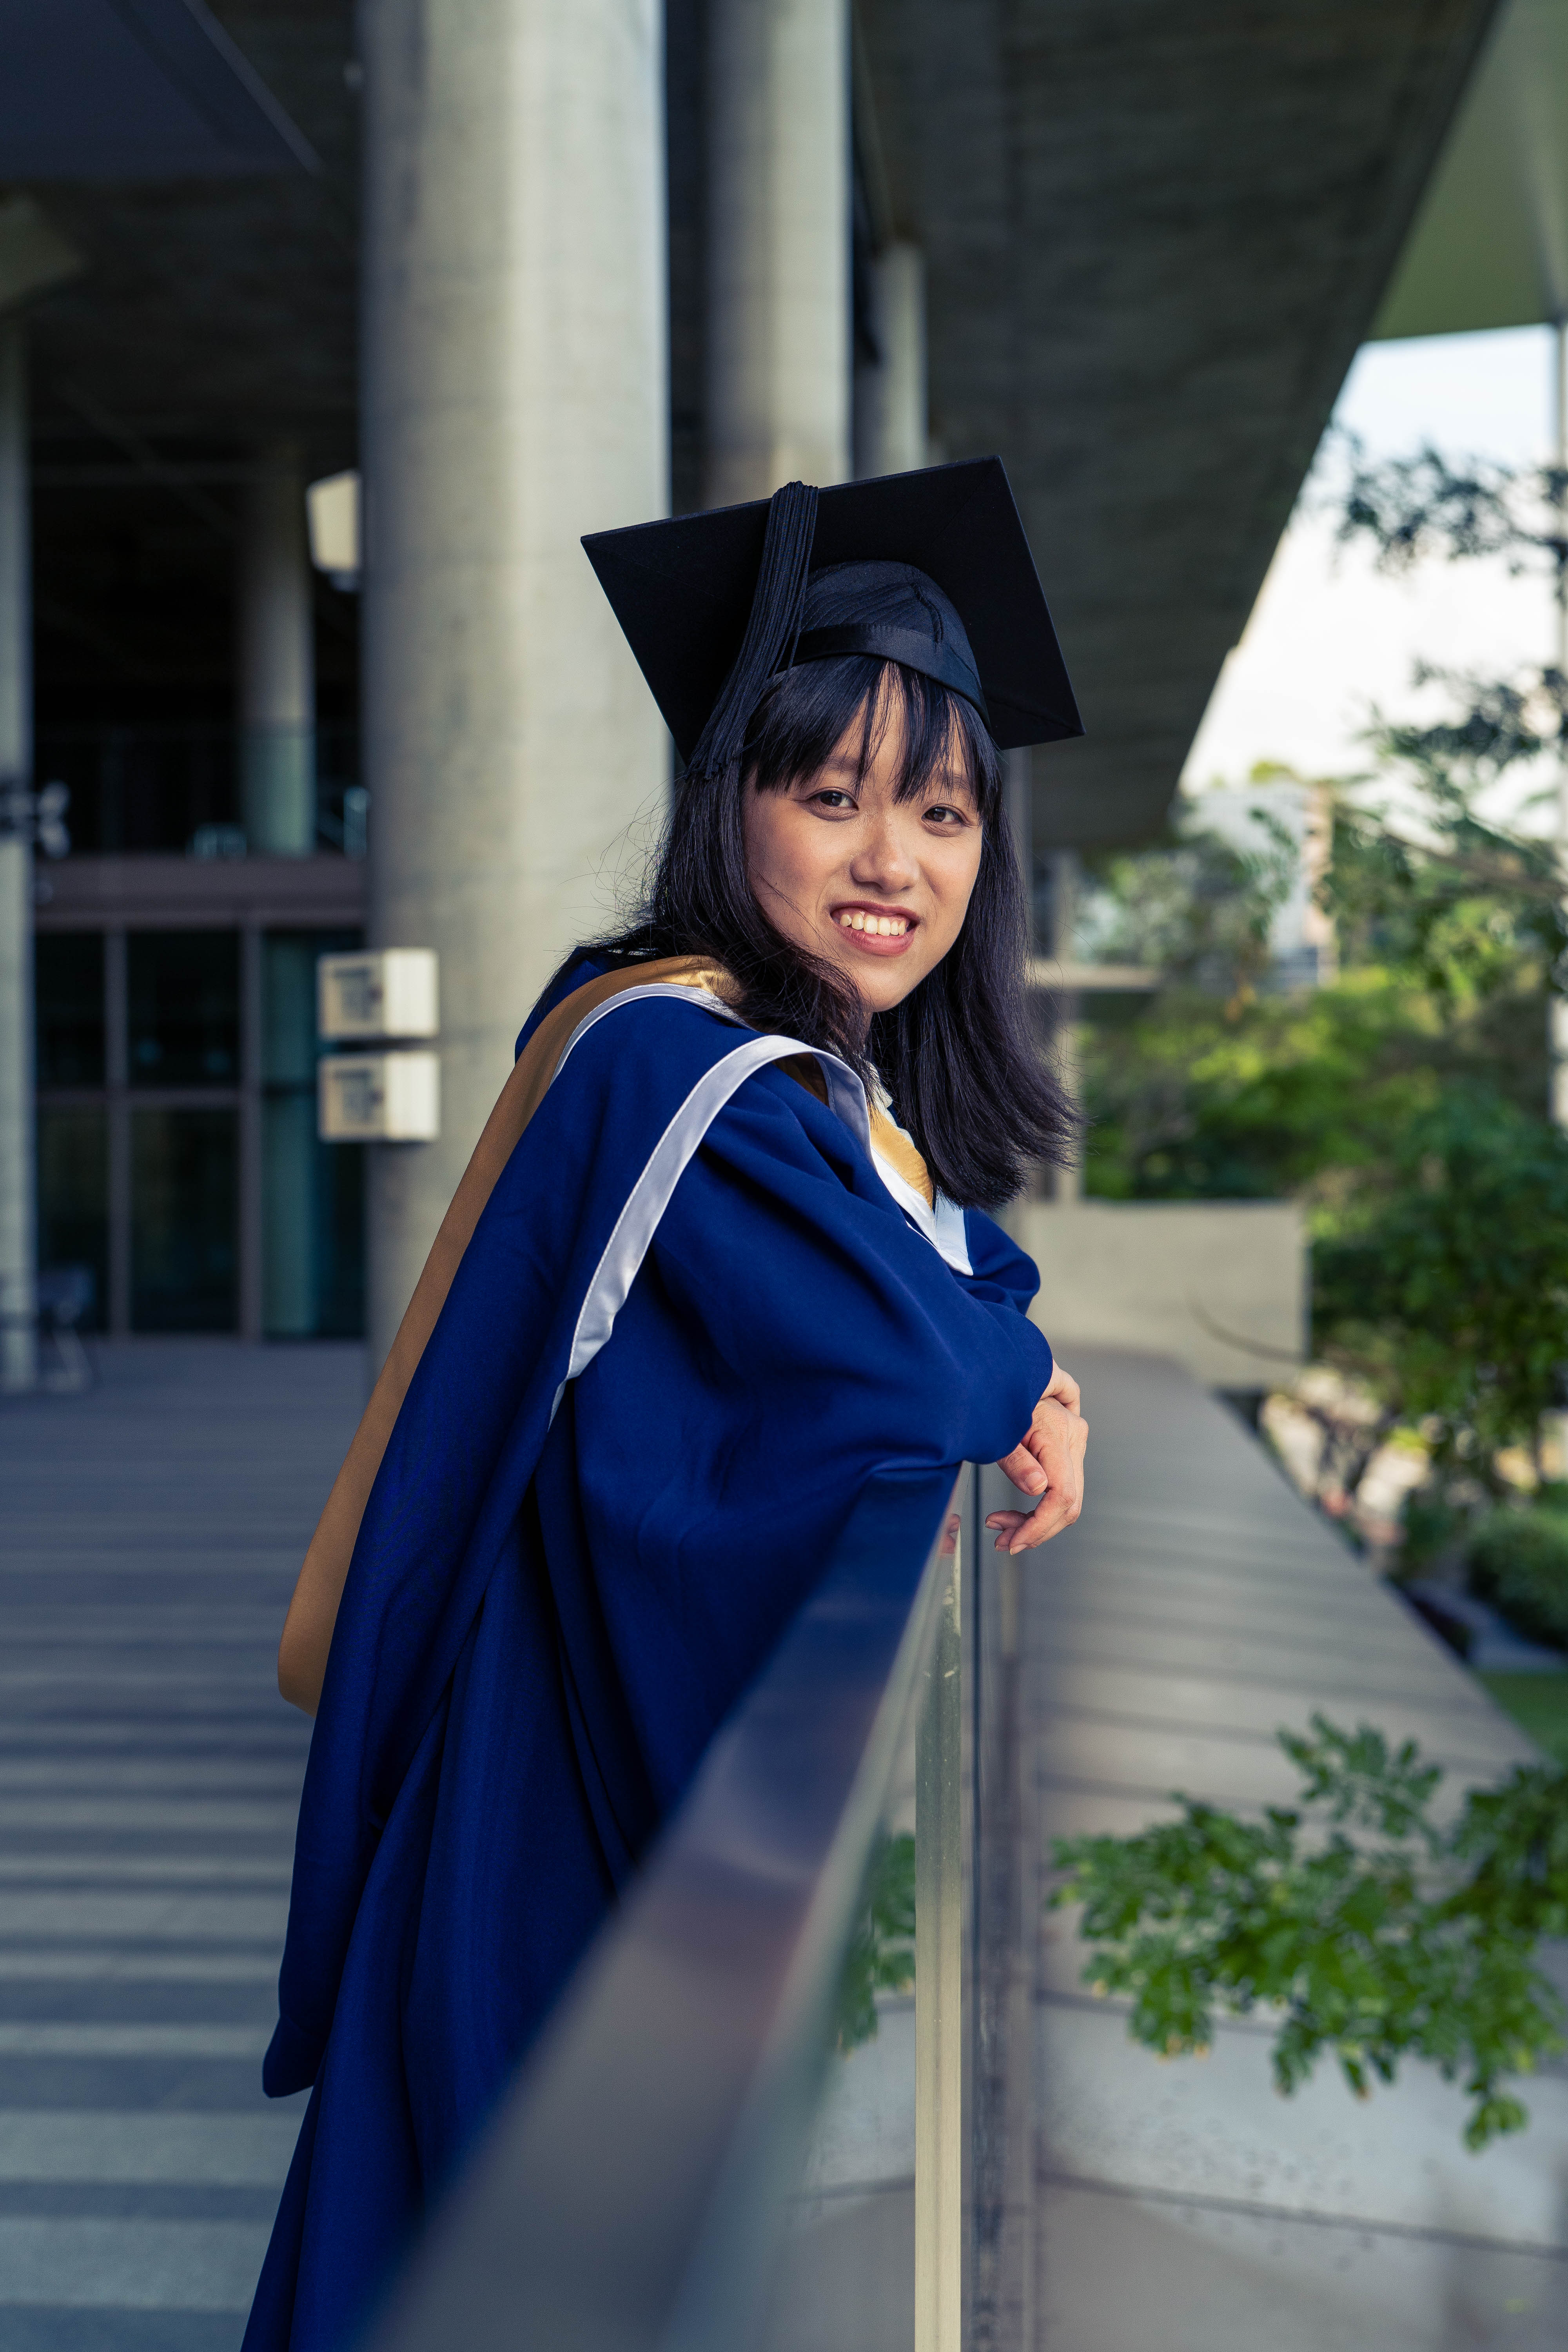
150 1534
1185 2208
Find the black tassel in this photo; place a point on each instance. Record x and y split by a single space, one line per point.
772 629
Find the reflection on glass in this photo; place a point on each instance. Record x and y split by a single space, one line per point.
179 787
69 997
846 2281
312 1193
184 1007
73 1197
184 1221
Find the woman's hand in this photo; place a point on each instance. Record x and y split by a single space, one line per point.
1047 1462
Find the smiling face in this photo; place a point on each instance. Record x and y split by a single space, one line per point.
875 885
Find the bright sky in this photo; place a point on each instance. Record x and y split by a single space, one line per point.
1329 638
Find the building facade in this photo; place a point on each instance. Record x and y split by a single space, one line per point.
534 271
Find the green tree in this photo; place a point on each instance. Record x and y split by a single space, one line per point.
1366 1930
1448 1288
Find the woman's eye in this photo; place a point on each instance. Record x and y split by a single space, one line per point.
832 799
947 817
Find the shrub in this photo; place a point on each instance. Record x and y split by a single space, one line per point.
1410 1940
1519 1559
1433 1523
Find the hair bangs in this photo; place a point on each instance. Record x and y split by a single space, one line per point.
808 713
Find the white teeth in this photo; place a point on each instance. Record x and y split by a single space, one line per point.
884 927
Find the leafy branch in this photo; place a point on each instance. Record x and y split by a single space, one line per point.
1406 1941
1427 505
881 1954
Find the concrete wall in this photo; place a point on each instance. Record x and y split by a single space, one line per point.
1219 1284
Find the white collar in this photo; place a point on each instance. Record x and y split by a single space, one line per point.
943 1225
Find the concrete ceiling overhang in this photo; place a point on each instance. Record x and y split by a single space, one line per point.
218 312
1157 233
133 89
1489 244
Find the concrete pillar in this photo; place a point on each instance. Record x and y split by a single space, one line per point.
277 661
891 394
778 245
515 396
18 1224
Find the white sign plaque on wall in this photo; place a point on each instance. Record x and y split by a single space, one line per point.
389 992
379 1097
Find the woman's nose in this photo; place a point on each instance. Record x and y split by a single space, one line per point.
883 859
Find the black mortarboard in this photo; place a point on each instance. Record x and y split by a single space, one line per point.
714 604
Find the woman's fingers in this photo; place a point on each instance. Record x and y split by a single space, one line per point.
1022 1465
1024 1470
1050 1463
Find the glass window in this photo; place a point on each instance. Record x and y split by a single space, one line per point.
312 1193
182 990
184 1221
73 1197
312 1233
69 998
289 1045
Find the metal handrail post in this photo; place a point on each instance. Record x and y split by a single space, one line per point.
940 2005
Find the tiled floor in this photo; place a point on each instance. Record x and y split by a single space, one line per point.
150 1534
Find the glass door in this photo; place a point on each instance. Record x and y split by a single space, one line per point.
182 1069
312 1193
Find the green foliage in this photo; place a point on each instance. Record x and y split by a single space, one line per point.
1404 1102
1469 913
1197 1100
1520 1559
1449 1285
1448 941
1370 1931
1409 508
881 1955
1538 1703
1196 908
1433 1523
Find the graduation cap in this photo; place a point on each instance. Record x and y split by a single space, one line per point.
930 568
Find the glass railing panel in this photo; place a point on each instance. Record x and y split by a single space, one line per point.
909 2233
656 2156
845 2277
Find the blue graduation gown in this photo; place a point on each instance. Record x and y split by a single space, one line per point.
561 1587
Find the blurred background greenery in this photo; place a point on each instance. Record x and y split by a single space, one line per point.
1398 1085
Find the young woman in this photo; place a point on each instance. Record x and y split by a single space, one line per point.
720 1253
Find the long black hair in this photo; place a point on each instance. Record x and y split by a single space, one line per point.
959 1057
